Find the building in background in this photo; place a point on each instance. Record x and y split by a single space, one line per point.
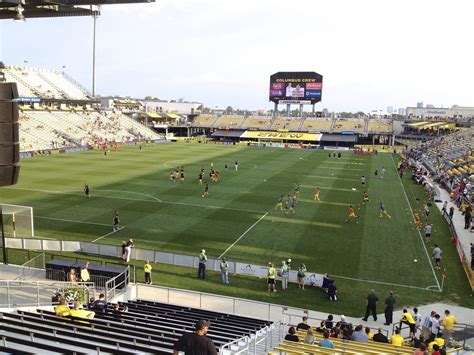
455 112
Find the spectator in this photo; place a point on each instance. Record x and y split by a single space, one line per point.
128 250
417 317
451 212
285 275
436 350
301 275
62 309
271 273
397 339
147 270
369 333
388 308
380 337
426 326
117 312
202 264
72 276
322 327
329 321
407 319
371 305
309 339
359 335
196 342
124 245
100 305
78 312
421 349
291 336
435 326
326 343
438 340
448 324
415 342
303 325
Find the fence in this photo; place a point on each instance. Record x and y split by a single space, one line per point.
313 279
37 293
117 284
462 255
33 268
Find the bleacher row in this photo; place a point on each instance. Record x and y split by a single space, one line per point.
147 328
295 124
42 130
341 347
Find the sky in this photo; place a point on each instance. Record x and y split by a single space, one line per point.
371 53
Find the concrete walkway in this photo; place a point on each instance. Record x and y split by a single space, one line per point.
465 236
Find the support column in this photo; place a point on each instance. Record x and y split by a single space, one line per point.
301 110
275 110
288 110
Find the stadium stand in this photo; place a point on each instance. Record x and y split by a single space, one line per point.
41 130
380 126
205 120
44 83
344 124
291 124
256 122
317 124
146 327
229 121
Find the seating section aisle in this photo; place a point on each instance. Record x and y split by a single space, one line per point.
147 327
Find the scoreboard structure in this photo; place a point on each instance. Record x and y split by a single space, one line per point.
301 88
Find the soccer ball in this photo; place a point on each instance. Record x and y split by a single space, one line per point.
265 180
415 260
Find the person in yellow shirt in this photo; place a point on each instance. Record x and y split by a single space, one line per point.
147 269
78 312
62 309
448 324
271 277
438 341
369 333
407 319
85 277
397 339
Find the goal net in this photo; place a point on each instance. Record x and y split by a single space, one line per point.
17 221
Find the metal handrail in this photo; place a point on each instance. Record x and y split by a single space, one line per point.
111 285
236 341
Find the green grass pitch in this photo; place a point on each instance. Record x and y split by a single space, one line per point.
158 214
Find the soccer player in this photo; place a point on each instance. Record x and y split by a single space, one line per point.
383 211
317 193
182 175
428 232
376 172
365 197
352 215
296 192
87 191
200 178
206 190
236 165
115 221
362 180
382 172
437 256
279 204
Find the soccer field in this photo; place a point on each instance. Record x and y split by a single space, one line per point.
238 216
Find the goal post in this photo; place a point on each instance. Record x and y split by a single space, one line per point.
17 221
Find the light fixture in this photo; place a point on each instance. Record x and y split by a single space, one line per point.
19 14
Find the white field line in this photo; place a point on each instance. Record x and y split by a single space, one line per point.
419 233
136 193
156 200
73 221
243 234
384 283
106 235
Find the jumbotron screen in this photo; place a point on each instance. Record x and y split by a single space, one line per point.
296 87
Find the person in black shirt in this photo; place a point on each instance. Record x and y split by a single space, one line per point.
100 305
371 305
196 343
379 337
291 336
117 313
303 325
329 321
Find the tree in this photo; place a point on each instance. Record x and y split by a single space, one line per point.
229 110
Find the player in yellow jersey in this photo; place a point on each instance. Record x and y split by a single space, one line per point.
279 204
352 215
383 211
317 193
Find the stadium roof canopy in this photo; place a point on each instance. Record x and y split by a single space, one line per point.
57 8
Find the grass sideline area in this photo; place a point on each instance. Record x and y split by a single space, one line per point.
166 216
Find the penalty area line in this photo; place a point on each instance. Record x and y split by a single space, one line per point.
106 235
243 235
